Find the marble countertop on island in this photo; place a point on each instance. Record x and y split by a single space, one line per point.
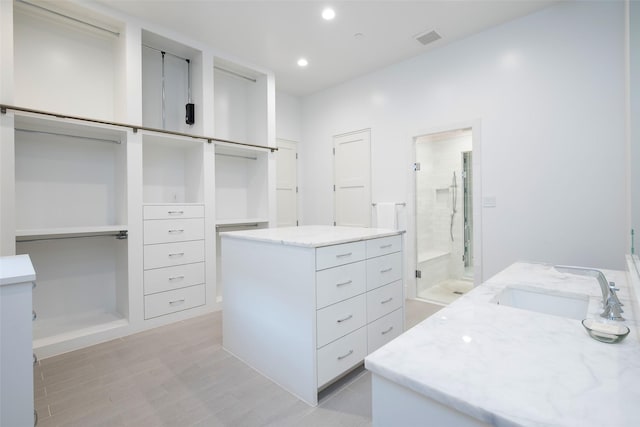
311 235
16 269
512 367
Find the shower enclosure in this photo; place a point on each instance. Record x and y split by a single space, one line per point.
444 216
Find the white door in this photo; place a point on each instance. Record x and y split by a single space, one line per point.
287 183
352 178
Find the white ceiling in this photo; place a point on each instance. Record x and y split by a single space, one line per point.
274 34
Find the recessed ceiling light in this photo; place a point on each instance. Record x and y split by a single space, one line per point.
328 14
302 62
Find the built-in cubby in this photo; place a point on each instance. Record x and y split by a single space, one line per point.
241 185
172 169
171 78
65 66
240 103
69 177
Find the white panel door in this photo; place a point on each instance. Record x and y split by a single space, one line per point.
287 184
352 178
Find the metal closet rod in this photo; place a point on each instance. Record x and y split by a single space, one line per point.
165 51
5 107
68 135
236 156
71 18
397 204
121 235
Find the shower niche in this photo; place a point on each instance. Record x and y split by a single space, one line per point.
444 213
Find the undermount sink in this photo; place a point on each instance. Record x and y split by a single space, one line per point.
557 303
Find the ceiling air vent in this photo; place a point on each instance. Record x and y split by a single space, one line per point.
428 37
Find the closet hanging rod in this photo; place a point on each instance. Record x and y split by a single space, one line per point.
209 139
121 235
68 135
233 73
165 51
255 224
71 18
397 204
236 156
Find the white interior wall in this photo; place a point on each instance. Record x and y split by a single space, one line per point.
288 117
551 108
634 112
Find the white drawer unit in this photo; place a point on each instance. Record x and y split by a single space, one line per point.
384 300
173 212
171 301
341 355
173 230
384 330
353 300
339 283
169 278
174 258
384 269
383 246
331 256
340 319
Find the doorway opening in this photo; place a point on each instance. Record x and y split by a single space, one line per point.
444 215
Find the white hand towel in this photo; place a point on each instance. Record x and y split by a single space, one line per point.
386 215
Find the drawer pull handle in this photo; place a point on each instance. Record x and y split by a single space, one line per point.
33 284
177 231
386 246
348 282
386 270
344 255
387 300
34 316
344 319
175 212
345 355
35 359
387 331
177 254
178 301
176 278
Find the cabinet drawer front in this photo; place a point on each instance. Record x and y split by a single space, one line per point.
384 300
168 278
173 230
171 301
341 355
340 283
384 246
384 269
384 330
173 211
339 319
169 254
332 256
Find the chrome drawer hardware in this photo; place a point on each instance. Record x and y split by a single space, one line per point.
346 355
33 285
386 246
387 331
348 282
386 270
344 255
177 254
387 300
177 231
35 359
179 301
175 212
34 316
345 319
176 278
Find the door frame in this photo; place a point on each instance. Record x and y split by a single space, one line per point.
410 237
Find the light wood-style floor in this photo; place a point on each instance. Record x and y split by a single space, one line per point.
179 375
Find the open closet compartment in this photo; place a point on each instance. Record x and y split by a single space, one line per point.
240 103
71 218
68 60
171 79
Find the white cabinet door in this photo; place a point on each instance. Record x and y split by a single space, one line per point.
352 178
287 184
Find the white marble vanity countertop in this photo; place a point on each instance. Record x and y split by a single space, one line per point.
311 235
512 367
16 269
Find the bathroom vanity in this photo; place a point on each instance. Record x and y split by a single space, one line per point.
490 360
304 305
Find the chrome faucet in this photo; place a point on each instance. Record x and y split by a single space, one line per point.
610 302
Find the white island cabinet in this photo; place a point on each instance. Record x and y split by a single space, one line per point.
16 359
304 305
